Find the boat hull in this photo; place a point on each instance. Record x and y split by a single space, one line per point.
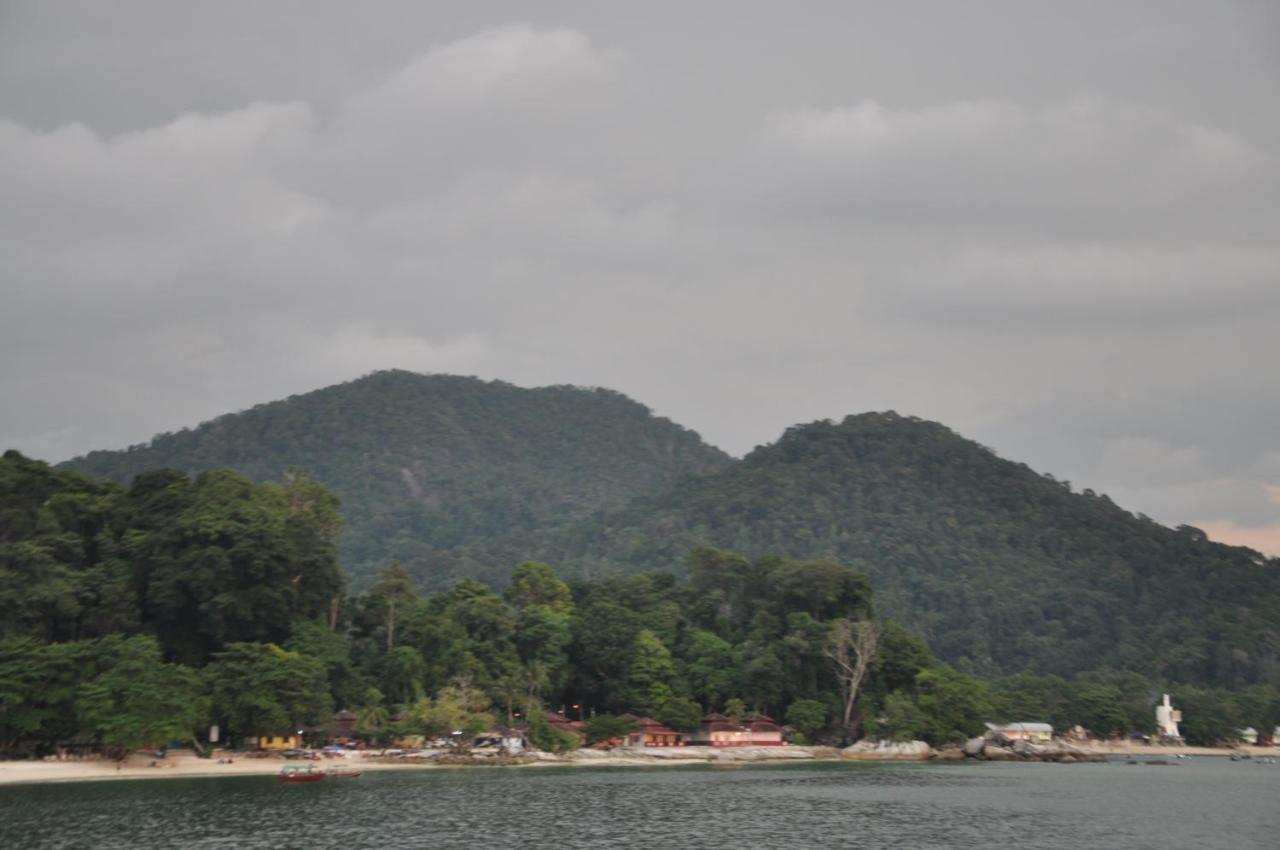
304 777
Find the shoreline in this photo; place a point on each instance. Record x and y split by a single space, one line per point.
184 765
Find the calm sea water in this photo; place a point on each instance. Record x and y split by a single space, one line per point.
1200 803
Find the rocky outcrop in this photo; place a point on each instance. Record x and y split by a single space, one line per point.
869 750
993 749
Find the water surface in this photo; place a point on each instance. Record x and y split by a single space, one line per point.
1200 803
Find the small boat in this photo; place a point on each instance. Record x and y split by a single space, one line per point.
299 773
343 772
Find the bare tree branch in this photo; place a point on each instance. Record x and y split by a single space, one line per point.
851 647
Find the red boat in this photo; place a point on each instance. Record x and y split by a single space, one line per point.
299 773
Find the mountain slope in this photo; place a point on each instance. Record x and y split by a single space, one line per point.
1002 569
425 462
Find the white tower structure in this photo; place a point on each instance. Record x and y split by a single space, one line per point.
1168 718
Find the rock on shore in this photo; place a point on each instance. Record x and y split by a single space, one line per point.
869 750
1002 749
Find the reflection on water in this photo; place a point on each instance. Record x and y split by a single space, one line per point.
1201 803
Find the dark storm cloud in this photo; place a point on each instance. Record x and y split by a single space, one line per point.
1051 226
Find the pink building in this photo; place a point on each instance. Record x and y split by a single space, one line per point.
756 730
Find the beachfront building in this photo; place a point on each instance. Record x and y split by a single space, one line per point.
342 728
277 742
1167 719
762 731
756 730
1020 731
716 730
651 733
557 720
1248 735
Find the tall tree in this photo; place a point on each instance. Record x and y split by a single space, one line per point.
851 648
394 589
534 583
651 674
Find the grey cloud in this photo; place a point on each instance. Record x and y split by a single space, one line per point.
1051 229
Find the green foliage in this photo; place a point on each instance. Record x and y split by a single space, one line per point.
333 649
424 463
466 632
63 576
608 727
1209 717
1258 707
1108 703
39 684
219 571
458 713
536 585
711 667
807 715
261 689
402 672
223 560
392 593
901 719
955 706
1004 570
372 717
1038 699
650 673
679 713
137 699
544 736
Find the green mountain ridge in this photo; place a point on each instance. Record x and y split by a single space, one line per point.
1000 568
423 463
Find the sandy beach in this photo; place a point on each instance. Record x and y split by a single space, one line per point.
1126 748
178 764
185 764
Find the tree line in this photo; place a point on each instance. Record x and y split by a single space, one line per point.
143 614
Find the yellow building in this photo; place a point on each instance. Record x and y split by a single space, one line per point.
279 742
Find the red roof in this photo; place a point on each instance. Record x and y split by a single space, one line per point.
649 726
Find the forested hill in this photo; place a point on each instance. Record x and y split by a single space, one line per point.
425 462
1000 568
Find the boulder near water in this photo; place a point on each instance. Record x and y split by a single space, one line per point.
869 750
993 752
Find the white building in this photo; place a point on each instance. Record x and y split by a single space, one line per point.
1022 731
1167 719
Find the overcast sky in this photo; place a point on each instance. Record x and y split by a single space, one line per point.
1054 227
